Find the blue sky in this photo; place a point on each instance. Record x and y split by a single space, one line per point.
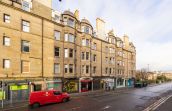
148 23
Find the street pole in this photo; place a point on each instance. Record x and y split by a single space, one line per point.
148 67
2 96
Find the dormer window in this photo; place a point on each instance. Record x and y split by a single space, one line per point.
86 29
26 5
71 22
56 16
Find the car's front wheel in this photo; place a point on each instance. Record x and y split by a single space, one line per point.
35 105
65 100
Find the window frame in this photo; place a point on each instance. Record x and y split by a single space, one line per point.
66 68
22 46
6 18
71 68
71 53
25 7
66 52
58 67
87 69
5 42
57 35
56 51
5 65
25 26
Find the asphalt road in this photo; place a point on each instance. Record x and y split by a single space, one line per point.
131 100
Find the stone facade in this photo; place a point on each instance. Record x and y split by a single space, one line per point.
83 61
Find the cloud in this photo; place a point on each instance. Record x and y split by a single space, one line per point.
148 23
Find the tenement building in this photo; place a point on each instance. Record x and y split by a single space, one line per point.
44 49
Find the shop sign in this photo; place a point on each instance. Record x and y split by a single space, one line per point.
53 85
16 87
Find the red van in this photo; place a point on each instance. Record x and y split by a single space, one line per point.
45 97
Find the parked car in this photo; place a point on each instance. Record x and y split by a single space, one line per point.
38 98
140 84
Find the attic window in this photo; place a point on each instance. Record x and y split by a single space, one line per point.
26 6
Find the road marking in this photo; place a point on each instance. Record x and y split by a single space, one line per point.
106 107
155 105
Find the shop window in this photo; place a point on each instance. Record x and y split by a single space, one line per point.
37 87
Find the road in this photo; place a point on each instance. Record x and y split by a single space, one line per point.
131 100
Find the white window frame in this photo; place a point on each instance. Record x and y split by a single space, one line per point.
66 67
71 38
71 22
88 69
71 66
56 68
66 53
83 42
26 5
6 41
57 35
24 45
6 63
56 51
25 26
6 18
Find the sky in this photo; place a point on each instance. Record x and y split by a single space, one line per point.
148 23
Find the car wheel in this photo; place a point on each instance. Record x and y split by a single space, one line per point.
65 100
35 105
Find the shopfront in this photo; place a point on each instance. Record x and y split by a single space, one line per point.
70 85
120 82
97 83
86 84
54 84
108 83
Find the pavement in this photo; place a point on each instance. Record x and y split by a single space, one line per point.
119 100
